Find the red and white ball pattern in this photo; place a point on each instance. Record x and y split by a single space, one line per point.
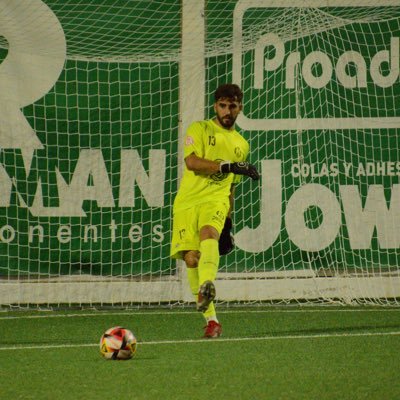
118 343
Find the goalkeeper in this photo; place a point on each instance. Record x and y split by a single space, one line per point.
215 155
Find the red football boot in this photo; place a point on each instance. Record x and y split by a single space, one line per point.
212 330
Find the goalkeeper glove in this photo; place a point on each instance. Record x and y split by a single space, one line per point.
226 242
239 168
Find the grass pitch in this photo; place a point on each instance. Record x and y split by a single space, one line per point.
264 353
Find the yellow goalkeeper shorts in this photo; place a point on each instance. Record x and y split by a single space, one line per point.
187 224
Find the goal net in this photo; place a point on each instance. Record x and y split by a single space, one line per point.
96 96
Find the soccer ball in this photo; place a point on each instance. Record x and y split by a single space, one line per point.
118 343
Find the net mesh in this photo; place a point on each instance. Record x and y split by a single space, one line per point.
91 199
114 103
350 163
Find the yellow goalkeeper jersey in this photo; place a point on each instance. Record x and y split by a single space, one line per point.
208 140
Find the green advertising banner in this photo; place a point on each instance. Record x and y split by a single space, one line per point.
89 134
90 187
321 85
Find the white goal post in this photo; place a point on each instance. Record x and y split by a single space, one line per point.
90 148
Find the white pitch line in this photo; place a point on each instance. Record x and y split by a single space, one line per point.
219 340
167 312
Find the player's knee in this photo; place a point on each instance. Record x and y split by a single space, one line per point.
208 232
192 259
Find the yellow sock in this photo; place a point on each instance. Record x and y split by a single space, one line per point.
210 313
193 278
208 267
209 260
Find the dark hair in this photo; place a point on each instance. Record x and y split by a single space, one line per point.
229 91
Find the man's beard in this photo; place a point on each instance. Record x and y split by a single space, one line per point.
228 122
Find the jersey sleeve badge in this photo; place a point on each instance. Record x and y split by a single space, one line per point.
189 141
